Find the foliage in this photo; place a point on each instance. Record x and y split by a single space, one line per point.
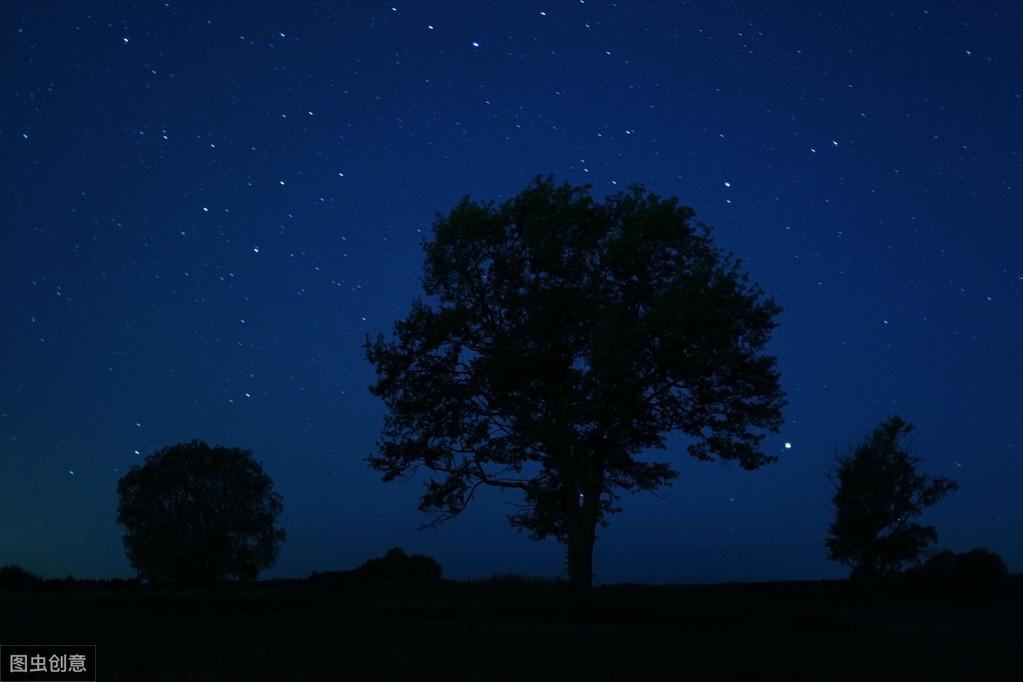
939 564
195 514
978 574
560 339
394 568
398 567
879 492
14 577
980 564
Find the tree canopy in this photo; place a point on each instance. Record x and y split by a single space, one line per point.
194 514
879 491
559 340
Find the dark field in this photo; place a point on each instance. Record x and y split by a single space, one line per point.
524 630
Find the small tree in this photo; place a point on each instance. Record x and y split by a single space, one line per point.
879 492
195 514
562 339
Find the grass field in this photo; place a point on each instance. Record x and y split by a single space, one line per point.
522 630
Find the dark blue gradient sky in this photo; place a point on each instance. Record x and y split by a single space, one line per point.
205 211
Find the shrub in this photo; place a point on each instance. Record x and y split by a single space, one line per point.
980 565
398 567
978 574
17 578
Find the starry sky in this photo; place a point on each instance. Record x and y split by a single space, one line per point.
207 209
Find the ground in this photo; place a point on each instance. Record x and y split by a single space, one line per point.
515 629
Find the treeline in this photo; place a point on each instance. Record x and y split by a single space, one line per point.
978 575
396 567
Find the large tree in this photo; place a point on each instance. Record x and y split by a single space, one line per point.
562 338
879 491
194 514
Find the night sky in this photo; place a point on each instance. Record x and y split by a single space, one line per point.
205 212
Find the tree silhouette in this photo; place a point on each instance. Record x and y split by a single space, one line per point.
878 494
195 514
562 338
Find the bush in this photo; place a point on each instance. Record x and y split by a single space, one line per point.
332 579
942 564
17 578
980 565
398 567
976 574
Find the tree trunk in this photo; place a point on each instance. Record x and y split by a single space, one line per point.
582 533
